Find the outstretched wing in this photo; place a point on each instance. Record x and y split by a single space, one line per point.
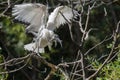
59 16
30 13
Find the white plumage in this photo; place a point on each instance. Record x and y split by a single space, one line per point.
36 15
44 39
30 13
32 47
59 16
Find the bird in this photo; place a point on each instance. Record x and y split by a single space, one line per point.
45 38
42 25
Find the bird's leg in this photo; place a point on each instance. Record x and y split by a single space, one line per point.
37 45
49 46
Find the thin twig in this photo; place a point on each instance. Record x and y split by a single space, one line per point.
69 63
83 66
74 67
106 39
113 57
53 67
109 56
14 59
86 25
11 71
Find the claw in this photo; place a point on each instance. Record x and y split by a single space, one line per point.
56 39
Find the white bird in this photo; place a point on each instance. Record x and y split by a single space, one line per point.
45 38
36 16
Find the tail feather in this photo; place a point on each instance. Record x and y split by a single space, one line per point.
32 47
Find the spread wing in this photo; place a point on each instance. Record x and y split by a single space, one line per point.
30 13
59 16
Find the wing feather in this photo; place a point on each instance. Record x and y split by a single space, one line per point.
60 16
30 13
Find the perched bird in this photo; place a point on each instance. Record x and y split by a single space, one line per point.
36 15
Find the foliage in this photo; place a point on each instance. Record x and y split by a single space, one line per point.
103 18
111 71
15 35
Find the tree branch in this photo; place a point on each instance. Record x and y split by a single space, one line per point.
111 53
